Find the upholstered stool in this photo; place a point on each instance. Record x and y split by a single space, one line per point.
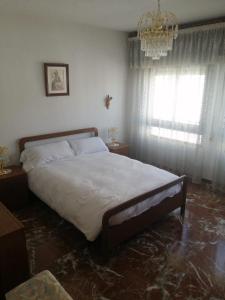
43 286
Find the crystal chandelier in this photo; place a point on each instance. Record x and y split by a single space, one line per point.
157 30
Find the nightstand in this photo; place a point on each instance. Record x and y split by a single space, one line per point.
14 188
122 149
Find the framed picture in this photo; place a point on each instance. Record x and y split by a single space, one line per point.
56 79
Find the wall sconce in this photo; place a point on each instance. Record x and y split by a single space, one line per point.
108 100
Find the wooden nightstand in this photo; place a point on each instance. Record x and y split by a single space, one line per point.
122 149
14 188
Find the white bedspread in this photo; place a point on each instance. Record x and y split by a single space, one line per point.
82 188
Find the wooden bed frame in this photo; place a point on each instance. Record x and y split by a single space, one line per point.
113 235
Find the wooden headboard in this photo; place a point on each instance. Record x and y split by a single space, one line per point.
24 140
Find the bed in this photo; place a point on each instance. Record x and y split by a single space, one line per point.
101 193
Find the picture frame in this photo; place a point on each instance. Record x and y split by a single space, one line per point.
56 79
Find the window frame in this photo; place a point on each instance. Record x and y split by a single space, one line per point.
182 126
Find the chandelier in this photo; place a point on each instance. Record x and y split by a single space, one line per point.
157 30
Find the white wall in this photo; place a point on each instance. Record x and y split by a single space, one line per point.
98 65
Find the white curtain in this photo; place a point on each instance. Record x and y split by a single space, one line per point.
177 107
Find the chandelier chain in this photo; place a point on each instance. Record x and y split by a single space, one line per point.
159 6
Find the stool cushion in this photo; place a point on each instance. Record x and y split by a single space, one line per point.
43 286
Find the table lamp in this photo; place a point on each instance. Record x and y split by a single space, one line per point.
112 133
4 155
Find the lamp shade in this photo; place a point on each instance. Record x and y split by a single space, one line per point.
4 156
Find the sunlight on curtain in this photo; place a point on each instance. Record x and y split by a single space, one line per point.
173 101
177 108
176 92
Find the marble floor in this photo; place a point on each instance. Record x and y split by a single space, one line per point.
167 261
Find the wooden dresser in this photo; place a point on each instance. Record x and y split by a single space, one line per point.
14 267
14 188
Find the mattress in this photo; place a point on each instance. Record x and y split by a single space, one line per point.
82 188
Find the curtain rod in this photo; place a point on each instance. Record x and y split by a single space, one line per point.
193 26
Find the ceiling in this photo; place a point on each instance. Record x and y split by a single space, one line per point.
114 14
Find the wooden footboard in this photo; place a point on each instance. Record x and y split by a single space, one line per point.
112 235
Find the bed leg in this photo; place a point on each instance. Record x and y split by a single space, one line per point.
182 211
184 193
108 249
104 250
105 246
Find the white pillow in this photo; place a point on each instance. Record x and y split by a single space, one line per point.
42 154
88 145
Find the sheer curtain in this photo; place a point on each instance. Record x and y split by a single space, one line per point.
177 106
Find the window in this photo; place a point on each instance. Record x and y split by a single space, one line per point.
176 108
